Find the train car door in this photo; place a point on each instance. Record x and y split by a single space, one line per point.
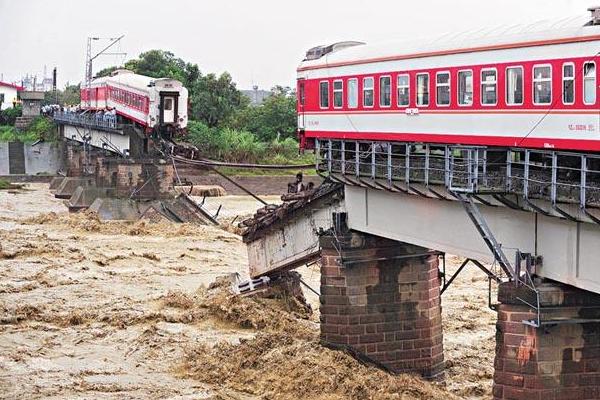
168 108
301 93
301 101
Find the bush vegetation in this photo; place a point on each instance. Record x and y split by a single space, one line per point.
9 116
232 145
41 128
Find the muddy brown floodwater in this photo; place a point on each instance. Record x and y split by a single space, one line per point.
124 311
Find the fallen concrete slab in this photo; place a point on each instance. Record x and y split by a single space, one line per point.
69 184
84 197
185 209
111 209
180 209
55 182
286 236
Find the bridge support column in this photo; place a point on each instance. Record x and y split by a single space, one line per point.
73 161
381 299
560 359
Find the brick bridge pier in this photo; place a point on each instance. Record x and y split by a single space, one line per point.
380 298
558 360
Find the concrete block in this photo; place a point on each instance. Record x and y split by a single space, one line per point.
110 209
55 183
84 197
70 184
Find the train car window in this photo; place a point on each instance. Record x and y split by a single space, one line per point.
324 94
489 87
168 106
442 84
403 90
514 86
542 84
568 83
301 94
368 95
338 94
423 89
589 82
465 88
385 91
353 93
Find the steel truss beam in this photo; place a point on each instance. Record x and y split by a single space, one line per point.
543 181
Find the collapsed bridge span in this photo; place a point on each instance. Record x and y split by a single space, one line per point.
286 236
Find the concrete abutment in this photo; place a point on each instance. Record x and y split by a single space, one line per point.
381 299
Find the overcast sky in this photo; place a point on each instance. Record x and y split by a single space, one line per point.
258 41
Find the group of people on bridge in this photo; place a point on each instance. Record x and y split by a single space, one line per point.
102 118
108 117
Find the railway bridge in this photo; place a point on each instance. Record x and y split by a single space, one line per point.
382 233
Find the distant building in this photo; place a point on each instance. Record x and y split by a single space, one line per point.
32 83
256 96
8 95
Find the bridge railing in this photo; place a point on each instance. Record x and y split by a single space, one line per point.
399 165
92 121
533 175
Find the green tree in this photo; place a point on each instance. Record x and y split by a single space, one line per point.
106 71
215 99
69 96
275 118
162 64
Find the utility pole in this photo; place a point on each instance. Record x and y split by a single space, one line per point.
54 86
90 58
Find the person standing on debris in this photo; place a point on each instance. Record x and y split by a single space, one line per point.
299 184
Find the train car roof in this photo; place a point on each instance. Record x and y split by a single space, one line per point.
538 33
133 80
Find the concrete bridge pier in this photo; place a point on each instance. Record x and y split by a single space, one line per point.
65 186
558 360
380 298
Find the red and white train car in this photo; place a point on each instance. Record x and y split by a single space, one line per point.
150 102
532 86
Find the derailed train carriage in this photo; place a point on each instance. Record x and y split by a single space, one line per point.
510 110
153 104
